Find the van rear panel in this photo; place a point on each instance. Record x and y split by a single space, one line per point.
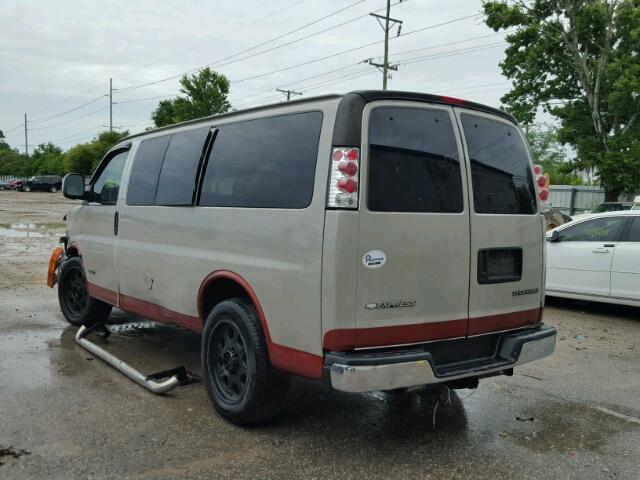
449 236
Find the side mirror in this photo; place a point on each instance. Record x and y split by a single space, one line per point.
73 186
554 237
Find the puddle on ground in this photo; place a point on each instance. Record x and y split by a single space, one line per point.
27 230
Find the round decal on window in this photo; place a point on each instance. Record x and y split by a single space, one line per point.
374 259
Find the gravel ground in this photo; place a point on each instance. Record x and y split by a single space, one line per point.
64 414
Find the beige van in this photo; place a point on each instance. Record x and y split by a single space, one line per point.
374 240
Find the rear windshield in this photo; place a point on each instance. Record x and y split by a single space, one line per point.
501 177
413 161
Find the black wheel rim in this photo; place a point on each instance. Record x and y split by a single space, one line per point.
75 292
228 366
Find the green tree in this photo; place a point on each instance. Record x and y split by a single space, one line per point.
46 159
549 152
580 61
203 94
85 157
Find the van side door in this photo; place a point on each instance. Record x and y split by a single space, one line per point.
95 229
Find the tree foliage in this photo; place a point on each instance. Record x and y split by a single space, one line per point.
203 94
49 159
549 152
84 157
580 61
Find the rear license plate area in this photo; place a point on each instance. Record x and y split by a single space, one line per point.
499 265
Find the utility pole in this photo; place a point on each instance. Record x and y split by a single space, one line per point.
388 24
288 93
111 104
26 138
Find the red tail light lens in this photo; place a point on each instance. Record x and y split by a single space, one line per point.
343 184
542 183
544 194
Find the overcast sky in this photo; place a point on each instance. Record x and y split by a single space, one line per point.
56 56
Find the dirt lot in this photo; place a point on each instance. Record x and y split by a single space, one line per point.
64 414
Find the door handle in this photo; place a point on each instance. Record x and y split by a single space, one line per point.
611 245
115 223
600 250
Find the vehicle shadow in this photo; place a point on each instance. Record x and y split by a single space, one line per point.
594 308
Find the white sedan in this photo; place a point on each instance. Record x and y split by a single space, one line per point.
597 258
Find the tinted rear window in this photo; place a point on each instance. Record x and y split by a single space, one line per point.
143 180
501 177
177 182
265 163
413 161
634 230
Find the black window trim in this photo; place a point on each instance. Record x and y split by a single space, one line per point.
103 164
206 149
624 236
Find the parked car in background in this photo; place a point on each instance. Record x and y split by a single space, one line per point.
4 185
604 207
596 258
44 183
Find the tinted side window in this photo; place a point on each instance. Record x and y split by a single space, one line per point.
634 230
265 163
596 230
143 180
177 182
501 177
413 161
107 185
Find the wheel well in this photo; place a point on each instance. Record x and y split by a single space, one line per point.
218 291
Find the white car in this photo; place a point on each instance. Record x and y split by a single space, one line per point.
597 258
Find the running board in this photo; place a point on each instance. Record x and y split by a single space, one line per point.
174 377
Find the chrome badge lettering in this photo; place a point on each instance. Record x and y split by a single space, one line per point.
390 304
525 291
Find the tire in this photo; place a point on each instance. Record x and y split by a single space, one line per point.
77 306
53 190
26 189
240 381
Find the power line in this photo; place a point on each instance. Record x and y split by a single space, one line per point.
73 119
51 117
273 39
288 93
224 35
308 62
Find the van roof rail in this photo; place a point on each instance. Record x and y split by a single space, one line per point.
365 96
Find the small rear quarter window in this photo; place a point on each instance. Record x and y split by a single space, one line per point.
501 178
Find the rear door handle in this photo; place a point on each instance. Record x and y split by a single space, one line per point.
115 223
609 245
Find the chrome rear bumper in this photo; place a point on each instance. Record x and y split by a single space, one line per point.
362 372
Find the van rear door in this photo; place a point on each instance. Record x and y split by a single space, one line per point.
414 243
507 232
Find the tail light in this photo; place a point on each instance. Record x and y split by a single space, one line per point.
345 176
542 183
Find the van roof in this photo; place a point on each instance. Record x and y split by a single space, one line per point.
363 96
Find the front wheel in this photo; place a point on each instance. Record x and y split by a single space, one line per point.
26 189
241 383
77 306
53 189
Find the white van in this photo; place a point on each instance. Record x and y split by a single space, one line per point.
374 240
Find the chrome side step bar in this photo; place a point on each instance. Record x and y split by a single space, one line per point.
147 381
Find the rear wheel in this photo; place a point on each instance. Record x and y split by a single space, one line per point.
26 188
53 189
77 306
240 381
